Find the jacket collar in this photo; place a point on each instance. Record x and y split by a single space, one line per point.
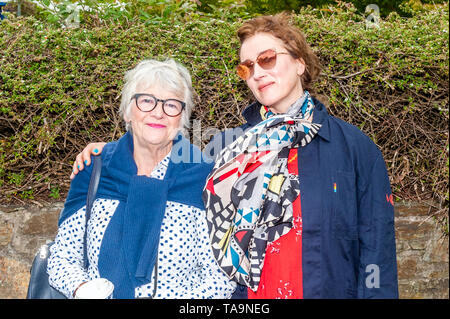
253 116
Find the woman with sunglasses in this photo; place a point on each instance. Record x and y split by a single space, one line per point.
147 236
299 203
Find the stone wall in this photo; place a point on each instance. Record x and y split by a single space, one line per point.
423 259
422 253
22 231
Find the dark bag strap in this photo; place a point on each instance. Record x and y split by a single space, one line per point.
92 192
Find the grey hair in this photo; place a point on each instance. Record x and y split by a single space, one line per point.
167 74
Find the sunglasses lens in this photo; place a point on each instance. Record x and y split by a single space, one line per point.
243 71
267 59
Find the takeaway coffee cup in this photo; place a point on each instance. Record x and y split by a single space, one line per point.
99 288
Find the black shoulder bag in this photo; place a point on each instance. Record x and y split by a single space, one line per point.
39 287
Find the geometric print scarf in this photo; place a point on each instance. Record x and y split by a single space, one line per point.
249 193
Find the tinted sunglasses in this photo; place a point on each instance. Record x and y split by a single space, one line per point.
265 60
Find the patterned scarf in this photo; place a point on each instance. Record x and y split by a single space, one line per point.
249 192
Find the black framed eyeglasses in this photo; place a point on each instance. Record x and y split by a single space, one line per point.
147 103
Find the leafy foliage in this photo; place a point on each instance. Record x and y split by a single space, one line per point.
60 87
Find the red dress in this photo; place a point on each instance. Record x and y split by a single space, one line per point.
281 276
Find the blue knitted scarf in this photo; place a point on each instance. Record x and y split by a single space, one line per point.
129 247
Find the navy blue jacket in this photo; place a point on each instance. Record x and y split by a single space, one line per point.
348 239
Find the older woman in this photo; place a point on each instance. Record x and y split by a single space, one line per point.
147 234
298 205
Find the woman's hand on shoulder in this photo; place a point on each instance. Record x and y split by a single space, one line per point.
84 158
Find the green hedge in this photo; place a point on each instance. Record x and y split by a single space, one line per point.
59 90
385 7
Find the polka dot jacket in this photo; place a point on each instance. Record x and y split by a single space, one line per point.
186 266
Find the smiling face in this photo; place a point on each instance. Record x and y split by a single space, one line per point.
154 128
280 86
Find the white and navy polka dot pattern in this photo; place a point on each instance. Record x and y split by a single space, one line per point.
186 266
160 170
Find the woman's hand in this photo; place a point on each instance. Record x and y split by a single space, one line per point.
98 288
84 158
75 292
